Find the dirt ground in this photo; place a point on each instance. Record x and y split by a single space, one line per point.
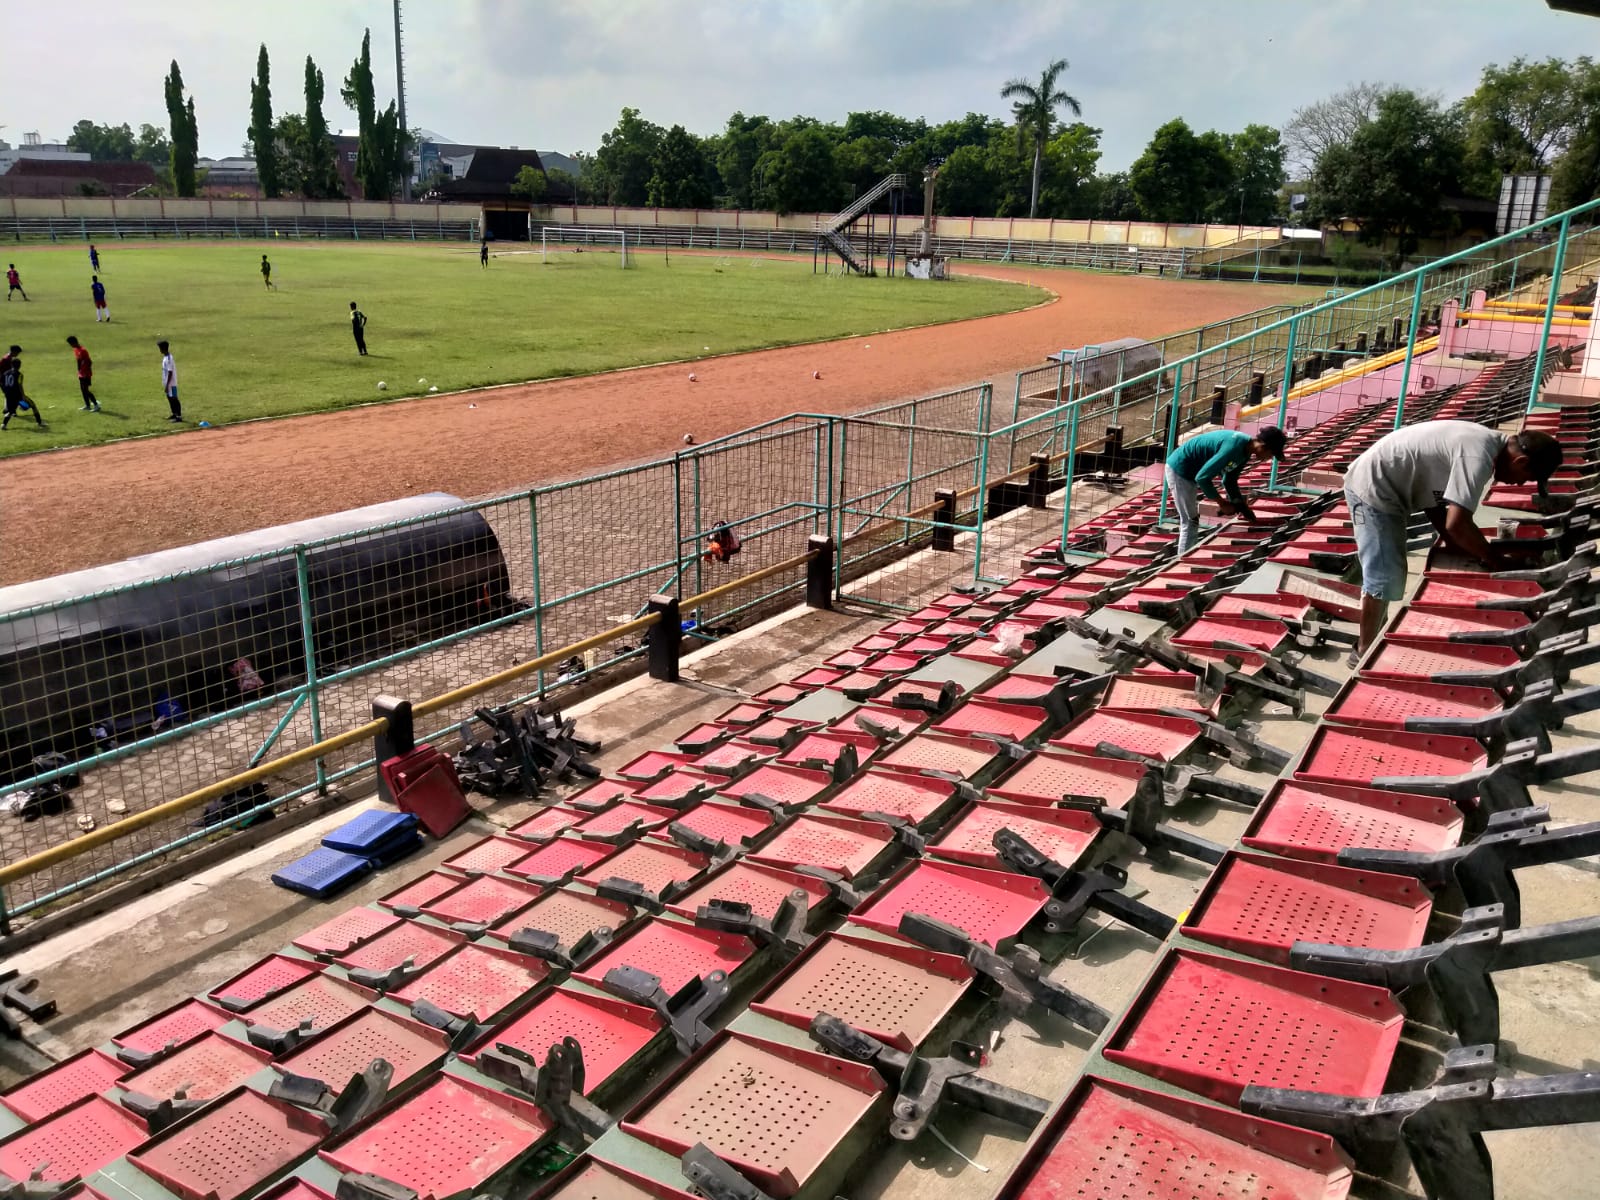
103 503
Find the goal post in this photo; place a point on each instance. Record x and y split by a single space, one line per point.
574 239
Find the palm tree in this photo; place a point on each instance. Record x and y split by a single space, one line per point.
1035 110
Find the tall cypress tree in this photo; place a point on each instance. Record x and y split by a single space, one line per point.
322 179
382 141
185 135
263 137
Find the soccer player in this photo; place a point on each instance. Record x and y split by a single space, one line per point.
483 253
98 289
266 273
358 326
94 259
11 387
85 375
169 381
13 282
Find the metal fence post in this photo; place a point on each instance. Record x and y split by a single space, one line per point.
1411 352
1283 393
538 587
302 576
1172 433
1072 460
1549 312
836 476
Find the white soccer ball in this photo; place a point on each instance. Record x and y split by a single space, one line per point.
433 389
422 381
816 374
692 377
382 386
688 439
705 347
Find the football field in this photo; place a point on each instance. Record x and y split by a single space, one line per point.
434 315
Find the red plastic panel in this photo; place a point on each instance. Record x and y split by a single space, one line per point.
1241 631
273 974
837 843
346 931
1276 605
1262 906
78 1140
1045 777
408 941
1427 622
475 981
654 865
445 1141
1464 590
1215 1025
990 906
960 756
208 1066
680 786
1112 1141
482 901
774 1112
781 694
620 816
729 823
702 737
653 765
746 881
322 1000
883 716
1388 704
610 1031
1409 658
894 992
231 1148
910 796
543 826
732 758
1152 693
569 915
1015 686
748 713
561 857
1358 756
421 890
1314 821
348 1048
675 953
592 1179
1060 834
823 749
1165 738
491 854
184 1020
63 1085
602 792
786 785
815 678
1014 722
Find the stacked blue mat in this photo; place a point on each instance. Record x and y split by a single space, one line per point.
373 840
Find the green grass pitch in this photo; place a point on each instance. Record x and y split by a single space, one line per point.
244 352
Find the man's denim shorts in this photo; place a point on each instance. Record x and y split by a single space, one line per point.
1381 549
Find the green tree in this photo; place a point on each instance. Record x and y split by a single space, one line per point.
679 176
532 183
1522 116
561 185
744 141
800 174
185 134
152 147
1575 177
1110 198
1070 159
1394 171
289 135
968 183
103 143
319 177
381 145
1034 106
263 134
1257 153
1317 128
1180 175
624 163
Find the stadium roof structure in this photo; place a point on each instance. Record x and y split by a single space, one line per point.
1584 8
61 177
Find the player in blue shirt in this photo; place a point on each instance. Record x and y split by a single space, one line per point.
1195 466
98 290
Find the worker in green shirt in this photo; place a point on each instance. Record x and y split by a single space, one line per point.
1194 467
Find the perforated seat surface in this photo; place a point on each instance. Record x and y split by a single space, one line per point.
964 757
1425 622
894 992
69 1081
543 826
231 1147
1111 1141
182 1021
989 906
610 1031
1164 738
345 932
729 823
774 1112
1045 777
1243 631
837 843
273 974
1014 722
591 1179
208 1066
559 858
914 798
483 900
1404 658
1358 756
1262 906
619 816
408 940
475 981
1062 835
77 1140
787 785
567 914
746 881
348 1048
673 952
1389 704
491 854
1216 1025
321 1000
1314 821
422 890
654 865
1152 693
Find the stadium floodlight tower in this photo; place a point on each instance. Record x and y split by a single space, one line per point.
400 102
924 264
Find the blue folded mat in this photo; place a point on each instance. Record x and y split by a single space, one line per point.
374 834
322 873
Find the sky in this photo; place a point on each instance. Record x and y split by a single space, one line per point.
553 75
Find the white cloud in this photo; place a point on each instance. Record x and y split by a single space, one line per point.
555 75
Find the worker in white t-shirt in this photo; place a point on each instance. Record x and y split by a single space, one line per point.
169 381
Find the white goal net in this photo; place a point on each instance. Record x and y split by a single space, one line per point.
561 243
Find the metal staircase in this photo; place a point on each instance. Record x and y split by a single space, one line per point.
833 233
